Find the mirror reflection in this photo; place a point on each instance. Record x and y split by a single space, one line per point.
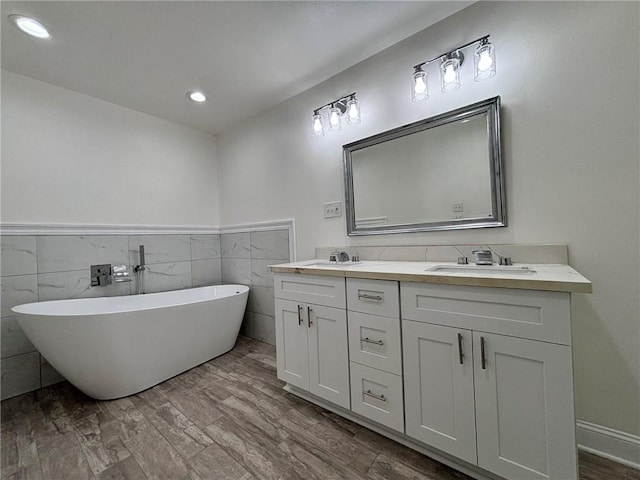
440 173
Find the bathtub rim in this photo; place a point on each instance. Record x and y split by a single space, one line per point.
23 308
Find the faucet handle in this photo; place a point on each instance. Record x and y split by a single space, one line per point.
100 275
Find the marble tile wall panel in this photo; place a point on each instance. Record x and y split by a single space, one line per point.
75 284
14 341
246 258
552 253
63 253
162 277
19 255
160 248
206 272
236 245
16 290
270 244
205 246
20 374
261 274
261 300
264 328
236 270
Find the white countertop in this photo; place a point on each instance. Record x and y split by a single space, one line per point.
550 277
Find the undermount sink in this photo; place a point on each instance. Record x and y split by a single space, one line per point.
484 269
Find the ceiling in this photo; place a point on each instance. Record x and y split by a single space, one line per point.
245 56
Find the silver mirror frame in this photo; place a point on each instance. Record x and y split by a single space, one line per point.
498 217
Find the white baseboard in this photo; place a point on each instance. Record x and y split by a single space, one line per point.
606 442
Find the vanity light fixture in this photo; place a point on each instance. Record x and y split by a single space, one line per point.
419 87
30 26
347 106
196 96
450 64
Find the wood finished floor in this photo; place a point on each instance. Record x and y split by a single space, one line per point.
226 419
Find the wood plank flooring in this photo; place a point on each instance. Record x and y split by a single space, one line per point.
226 419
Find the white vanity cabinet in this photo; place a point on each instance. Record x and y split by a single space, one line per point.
311 335
502 402
479 376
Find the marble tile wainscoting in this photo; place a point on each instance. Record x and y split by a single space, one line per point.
54 267
246 257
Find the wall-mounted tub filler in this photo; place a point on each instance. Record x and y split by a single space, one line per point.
139 269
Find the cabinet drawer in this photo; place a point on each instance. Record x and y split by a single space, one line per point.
377 395
375 341
532 314
316 289
378 297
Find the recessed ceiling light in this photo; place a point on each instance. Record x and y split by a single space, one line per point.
30 26
196 96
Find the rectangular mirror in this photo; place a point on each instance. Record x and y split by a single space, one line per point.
441 173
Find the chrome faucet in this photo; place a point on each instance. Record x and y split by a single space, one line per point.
339 256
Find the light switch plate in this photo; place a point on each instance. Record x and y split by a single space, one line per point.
332 209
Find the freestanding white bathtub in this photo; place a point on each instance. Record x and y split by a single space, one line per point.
111 347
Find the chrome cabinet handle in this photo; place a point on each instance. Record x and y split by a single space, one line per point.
299 314
378 397
483 357
365 296
309 310
460 352
368 340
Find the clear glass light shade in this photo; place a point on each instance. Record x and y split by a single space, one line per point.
419 91
450 73
353 112
485 62
335 122
30 26
318 125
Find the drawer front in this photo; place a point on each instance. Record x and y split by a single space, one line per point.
532 314
378 297
316 289
375 341
377 396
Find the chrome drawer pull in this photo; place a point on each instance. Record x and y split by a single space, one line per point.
460 352
365 296
483 356
368 340
377 397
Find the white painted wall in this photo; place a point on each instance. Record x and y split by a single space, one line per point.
70 158
570 136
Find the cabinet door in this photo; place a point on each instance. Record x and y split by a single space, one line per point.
328 354
292 353
524 408
438 386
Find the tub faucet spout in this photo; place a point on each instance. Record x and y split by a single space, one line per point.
139 269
